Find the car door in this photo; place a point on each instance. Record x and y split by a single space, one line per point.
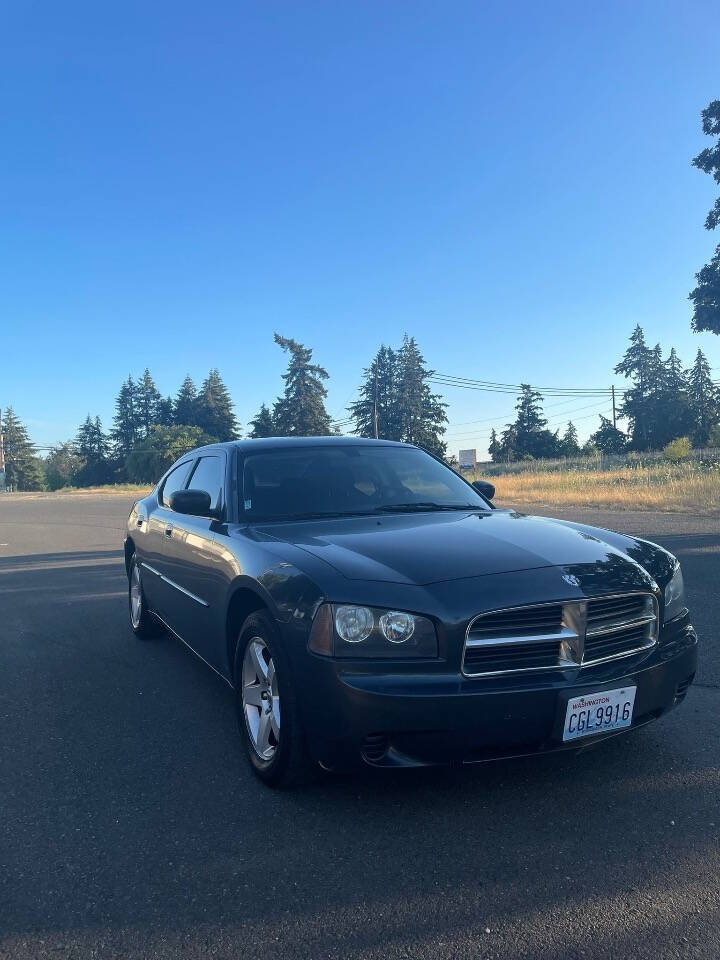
159 518
190 569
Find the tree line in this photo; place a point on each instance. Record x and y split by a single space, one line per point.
149 432
663 402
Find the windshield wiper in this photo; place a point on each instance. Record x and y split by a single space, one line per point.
423 505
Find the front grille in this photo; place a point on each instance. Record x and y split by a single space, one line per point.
554 636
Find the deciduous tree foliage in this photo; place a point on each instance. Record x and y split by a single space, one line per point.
300 411
152 456
62 466
706 295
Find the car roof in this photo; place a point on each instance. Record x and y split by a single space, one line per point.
273 443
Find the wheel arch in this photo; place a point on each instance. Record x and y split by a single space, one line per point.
243 601
129 551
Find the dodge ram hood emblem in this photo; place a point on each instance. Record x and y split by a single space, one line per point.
571 580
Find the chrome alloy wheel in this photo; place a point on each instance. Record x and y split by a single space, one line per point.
261 699
135 597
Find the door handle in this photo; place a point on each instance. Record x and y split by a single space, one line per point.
168 530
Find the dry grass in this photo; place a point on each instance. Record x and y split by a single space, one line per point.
686 488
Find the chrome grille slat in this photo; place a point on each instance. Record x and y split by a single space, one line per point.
555 636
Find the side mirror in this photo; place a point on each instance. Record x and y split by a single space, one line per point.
485 488
196 503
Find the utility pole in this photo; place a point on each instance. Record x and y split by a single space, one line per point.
375 409
613 399
2 457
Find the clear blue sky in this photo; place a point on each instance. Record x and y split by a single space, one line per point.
509 182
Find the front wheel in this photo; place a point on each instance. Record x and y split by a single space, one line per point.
267 711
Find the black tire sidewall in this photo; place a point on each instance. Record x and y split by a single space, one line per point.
289 756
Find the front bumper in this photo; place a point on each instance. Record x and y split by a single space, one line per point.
392 719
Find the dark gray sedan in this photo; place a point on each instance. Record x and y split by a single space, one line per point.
367 604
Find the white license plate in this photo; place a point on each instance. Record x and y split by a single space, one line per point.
598 712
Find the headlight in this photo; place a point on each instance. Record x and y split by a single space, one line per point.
675 594
369 632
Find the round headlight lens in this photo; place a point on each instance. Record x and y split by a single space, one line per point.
397 627
354 624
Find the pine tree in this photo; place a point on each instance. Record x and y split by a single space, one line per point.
93 449
569 443
706 295
636 365
703 400
420 412
377 411
301 410
673 416
165 412
126 422
23 468
147 402
214 410
263 425
493 446
186 403
607 438
530 435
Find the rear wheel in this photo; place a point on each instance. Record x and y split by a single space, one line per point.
142 622
267 711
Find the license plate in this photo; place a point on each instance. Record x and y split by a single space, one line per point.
599 712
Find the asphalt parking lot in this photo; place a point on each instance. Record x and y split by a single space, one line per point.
130 826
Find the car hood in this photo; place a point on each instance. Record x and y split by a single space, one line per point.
428 548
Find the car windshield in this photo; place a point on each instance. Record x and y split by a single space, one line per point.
331 481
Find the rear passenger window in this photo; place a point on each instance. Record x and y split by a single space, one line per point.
208 476
175 481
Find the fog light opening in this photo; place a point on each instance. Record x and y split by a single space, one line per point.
374 747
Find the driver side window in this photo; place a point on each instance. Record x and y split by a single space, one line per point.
176 480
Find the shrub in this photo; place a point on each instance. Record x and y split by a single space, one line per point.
678 449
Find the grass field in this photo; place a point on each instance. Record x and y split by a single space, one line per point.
687 487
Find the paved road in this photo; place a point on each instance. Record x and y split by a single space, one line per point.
130 827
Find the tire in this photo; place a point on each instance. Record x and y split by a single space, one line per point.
272 737
142 622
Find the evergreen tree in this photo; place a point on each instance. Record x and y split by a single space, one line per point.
301 410
93 450
126 422
165 412
607 438
214 410
263 425
637 365
706 295
530 438
376 413
569 443
703 400
23 468
186 403
420 412
673 416
494 446
148 400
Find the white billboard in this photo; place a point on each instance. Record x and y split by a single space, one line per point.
467 459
